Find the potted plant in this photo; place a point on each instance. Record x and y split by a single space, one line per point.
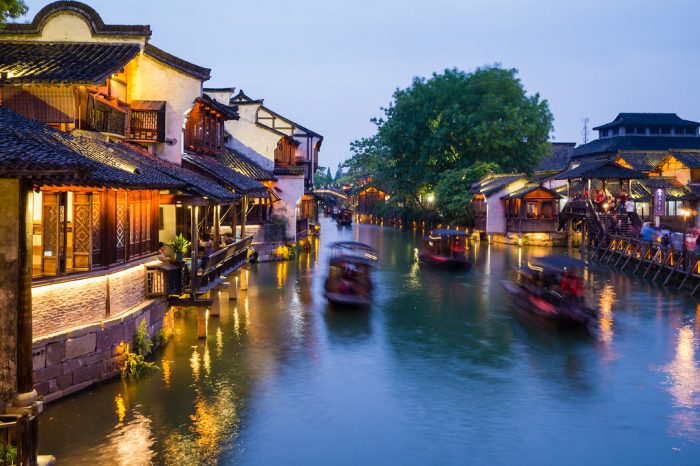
180 245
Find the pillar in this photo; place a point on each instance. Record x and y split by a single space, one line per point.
244 214
234 220
217 225
244 279
202 316
232 287
194 218
215 308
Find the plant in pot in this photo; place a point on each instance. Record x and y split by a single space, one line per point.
180 245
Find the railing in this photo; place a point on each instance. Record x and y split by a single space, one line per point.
302 228
105 118
531 225
10 439
221 263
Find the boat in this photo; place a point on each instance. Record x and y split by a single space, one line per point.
446 249
344 217
349 280
548 292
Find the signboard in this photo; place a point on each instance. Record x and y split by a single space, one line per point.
659 202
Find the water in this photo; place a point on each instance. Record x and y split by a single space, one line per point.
438 372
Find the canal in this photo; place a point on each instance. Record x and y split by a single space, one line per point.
438 372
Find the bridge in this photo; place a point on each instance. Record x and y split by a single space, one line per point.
332 192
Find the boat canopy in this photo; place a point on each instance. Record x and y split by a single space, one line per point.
351 250
446 232
556 263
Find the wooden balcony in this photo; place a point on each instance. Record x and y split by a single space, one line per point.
147 121
531 225
106 117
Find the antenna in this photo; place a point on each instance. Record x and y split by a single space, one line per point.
584 131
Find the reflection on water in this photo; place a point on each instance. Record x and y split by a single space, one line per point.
437 371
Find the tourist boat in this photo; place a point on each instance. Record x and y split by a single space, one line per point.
349 281
344 217
445 249
549 293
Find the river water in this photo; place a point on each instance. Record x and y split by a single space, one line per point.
437 372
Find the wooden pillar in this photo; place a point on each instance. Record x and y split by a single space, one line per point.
194 218
215 308
232 287
217 225
244 214
234 220
569 231
244 279
202 317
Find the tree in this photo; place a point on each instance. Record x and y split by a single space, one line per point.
450 122
11 9
323 177
452 196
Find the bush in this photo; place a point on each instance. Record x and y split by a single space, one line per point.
135 366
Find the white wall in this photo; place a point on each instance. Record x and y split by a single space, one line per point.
149 79
495 213
291 190
257 139
168 232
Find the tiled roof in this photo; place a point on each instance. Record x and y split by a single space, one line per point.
240 183
642 190
650 119
603 170
689 158
177 63
234 160
494 182
229 112
194 183
635 143
63 62
644 161
527 189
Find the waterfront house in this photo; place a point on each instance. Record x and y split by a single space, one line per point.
282 146
135 119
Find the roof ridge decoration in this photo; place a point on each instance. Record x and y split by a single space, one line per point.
242 99
178 63
93 19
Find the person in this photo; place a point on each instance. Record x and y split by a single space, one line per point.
207 244
621 201
646 231
228 238
598 200
629 208
571 286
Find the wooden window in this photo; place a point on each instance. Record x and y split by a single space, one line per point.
204 131
284 152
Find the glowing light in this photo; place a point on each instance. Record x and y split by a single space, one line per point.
121 408
206 359
166 372
430 198
219 342
194 363
607 299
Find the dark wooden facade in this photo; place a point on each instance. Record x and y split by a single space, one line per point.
204 130
77 229
534 211
369 198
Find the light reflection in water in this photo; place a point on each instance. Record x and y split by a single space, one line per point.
194 363
219 342
684 385
607 299
166 372
121 408
206 359
281 274
236 322
130 444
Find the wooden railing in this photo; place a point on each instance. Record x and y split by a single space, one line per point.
224 261
302 228
531 225
105 118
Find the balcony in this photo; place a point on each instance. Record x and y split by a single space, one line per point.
147 121
105 116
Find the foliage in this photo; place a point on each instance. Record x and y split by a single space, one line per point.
164 334
180 244
8 454
323 177
450 122
452 191
142 343
11 9
135 366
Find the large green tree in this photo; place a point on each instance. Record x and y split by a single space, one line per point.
451 121
323 177
11 9
452 197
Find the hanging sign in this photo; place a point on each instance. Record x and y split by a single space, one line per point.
659 202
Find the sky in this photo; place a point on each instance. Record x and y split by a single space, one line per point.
330 65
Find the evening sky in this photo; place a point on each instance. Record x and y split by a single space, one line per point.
330 65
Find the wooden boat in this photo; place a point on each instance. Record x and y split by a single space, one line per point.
549 293
344 217
349 281
446 249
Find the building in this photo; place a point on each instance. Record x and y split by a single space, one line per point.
278 145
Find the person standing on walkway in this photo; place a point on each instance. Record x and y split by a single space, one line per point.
598 200
629 208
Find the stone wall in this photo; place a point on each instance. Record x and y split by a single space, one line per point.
73 360
9 209
60 306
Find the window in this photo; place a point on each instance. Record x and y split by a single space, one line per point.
665 130
204 130
615 131
603 133
654 130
